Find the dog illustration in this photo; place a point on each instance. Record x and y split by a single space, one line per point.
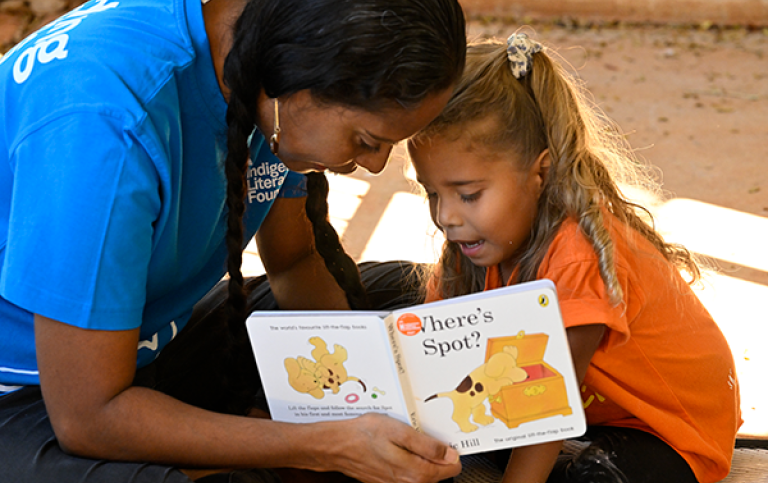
302 378
330 367
326 372
486 381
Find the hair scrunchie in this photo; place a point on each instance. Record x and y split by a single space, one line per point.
520 50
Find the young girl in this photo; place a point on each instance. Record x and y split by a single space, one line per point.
142 145
522 178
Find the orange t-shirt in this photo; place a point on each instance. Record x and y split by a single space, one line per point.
663 366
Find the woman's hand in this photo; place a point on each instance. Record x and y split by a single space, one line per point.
375 449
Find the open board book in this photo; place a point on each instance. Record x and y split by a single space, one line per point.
481 372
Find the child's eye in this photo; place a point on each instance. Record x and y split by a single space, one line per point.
431 195
470 198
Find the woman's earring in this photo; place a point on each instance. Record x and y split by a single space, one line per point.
274 141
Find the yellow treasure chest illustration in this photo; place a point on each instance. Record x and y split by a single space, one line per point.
541 395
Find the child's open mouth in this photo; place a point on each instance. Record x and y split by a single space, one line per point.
471 248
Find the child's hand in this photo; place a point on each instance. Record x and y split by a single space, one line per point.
376 449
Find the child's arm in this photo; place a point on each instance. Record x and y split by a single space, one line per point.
583 342
532 464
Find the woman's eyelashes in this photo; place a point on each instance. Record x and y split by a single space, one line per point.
371 148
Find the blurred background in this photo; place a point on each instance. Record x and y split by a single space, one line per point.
686 80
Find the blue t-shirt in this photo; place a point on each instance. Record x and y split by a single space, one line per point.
112 188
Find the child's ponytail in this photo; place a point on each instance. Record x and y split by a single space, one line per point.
578 184
589 158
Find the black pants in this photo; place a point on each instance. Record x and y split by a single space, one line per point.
622 455
30 453
615 455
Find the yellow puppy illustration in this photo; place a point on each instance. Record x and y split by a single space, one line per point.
487 380
301 376
327 371
330 371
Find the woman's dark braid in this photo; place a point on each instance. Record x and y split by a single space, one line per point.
235 166
327 242
240 376
242 78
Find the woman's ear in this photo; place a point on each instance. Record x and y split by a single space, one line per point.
540 169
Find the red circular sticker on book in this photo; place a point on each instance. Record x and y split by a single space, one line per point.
409 324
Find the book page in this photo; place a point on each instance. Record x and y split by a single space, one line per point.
320 366
492 370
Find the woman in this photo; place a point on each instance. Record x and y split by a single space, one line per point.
134 179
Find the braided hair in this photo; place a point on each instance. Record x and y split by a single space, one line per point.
365 54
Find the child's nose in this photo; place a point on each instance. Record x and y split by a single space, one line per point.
447 216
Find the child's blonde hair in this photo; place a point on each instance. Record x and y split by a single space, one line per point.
547 109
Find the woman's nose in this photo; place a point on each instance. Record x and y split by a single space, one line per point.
374 162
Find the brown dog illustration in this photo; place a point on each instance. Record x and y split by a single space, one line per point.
487 380
327 371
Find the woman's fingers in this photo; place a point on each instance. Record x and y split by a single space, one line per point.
429 448
380 449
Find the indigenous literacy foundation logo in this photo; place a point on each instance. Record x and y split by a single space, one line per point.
409 324
264 181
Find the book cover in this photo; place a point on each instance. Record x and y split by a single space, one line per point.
491 370
481 372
